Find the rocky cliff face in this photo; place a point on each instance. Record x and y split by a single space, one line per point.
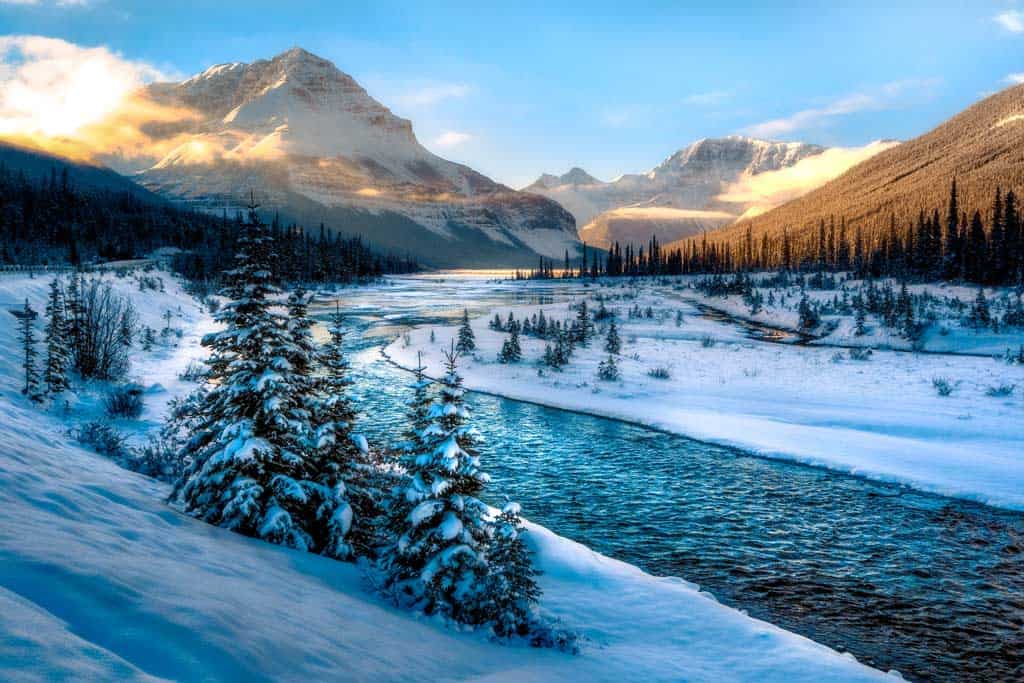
314 145
675 198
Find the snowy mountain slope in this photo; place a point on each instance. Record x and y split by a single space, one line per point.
689 179
100 580
296 126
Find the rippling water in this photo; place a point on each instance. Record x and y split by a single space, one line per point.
929 586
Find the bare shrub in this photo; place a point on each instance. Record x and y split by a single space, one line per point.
100 322
943 385
124 401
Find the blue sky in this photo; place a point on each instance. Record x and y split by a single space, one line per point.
526 87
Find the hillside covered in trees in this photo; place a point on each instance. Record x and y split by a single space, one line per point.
982 148
54 213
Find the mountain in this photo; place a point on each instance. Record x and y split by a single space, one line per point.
316 147
676 198
38 165
982 147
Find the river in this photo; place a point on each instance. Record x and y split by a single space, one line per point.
930 586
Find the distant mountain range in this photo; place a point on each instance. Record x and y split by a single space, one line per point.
317 148
676 198
982 147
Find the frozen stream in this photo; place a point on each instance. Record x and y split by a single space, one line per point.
929 586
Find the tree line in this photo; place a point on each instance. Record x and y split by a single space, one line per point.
957 244
50 221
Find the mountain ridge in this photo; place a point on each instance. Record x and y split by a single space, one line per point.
981 146
295 126
688 182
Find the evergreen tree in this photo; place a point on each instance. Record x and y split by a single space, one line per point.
27 335
439 558
951 256
248 470
980 314
976 251
58 359
512 592
584 325
511 350
612 343
608 370
467 340
346 508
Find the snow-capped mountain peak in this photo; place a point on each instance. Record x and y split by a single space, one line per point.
307 134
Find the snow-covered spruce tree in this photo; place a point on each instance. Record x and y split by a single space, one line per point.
511 350
349 472
511 589
607 370
467 340
247 470
58 341
27 336
584 325
437 562
612 343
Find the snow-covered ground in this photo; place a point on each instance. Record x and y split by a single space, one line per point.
101 580
881 418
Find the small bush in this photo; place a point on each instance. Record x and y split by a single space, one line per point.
838 358
707 341
607 370
659 373
943 385
860 354
102 438
195 372
1001 391
124 401
159 459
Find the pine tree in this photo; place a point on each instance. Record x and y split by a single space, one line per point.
976 251
512 592
860 315
612 343
608 370
980 314
511 350
248 469
584 325
27 335
467 340
58 343
439 558
345 512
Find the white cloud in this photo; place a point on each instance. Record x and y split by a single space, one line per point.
452 138
1011 20
1016 79
52 87
888 96
710 98
432 94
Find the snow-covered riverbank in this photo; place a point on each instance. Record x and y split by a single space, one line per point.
880 418
99 579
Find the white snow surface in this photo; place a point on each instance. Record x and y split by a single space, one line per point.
101 580
880 418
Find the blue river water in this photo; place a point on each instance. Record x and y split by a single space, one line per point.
929 586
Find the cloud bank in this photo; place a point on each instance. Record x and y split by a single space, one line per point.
765 191
81 102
